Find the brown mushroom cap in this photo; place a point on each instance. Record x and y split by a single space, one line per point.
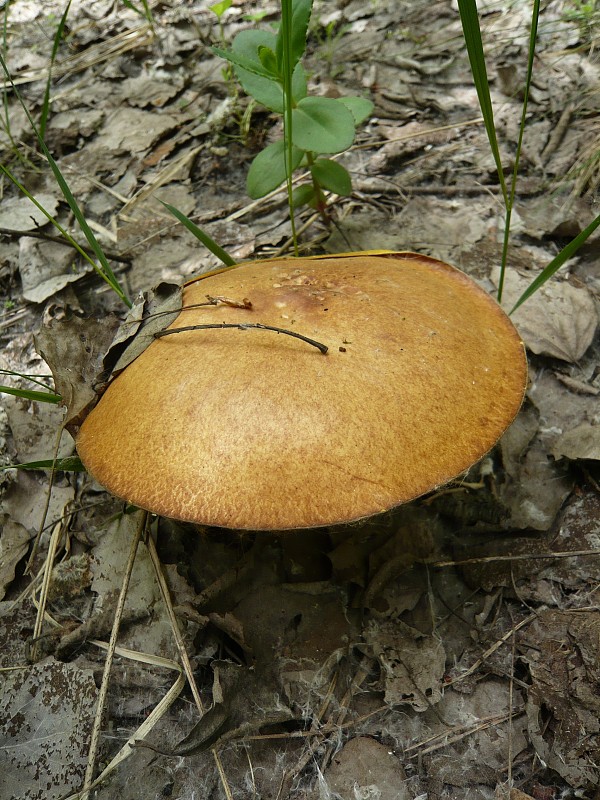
252 429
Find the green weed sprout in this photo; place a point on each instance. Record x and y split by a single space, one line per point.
219 9
321 126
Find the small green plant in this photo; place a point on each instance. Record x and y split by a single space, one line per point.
320 126
582 12
219 9
328 38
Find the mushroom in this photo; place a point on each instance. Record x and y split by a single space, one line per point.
227 422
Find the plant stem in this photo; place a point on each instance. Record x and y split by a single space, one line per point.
286 26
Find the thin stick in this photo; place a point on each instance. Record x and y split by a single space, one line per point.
38 537
46 576
242 326
520 557
511 689
166 595
157 712
112 643
496 646
187 667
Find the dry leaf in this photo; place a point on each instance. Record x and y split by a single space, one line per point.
580 442
560 320
23 215
365 768
47 267
46 714
151 313
14 543
412 663
563 707
74 350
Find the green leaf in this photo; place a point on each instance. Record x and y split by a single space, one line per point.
557 262
322 125
332 176
32 394
247 44
301 10
253 66
268 60
206 240
57 40
359 107
303 195
267 171
69 464
220 8
265 90
472 34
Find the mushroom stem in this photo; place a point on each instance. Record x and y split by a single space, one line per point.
242 326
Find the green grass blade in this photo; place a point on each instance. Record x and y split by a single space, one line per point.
57 40
62 231
557 262
513 184
146 11
104 269
206 240
472 35
32 394
68 464
286 38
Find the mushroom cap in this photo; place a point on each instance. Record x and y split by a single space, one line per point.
251 429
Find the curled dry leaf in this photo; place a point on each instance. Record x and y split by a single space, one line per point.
84 354
46 268
74 349
152 311
244 703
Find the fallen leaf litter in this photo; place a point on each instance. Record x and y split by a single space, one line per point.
350 711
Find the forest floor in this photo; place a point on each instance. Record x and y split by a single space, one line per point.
449 649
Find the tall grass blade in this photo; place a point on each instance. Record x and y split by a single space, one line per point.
513 184
32 394
6 123
201 235
472 35
104 269
565 254
68 464
56 44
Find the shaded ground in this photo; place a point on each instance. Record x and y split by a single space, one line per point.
450 649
